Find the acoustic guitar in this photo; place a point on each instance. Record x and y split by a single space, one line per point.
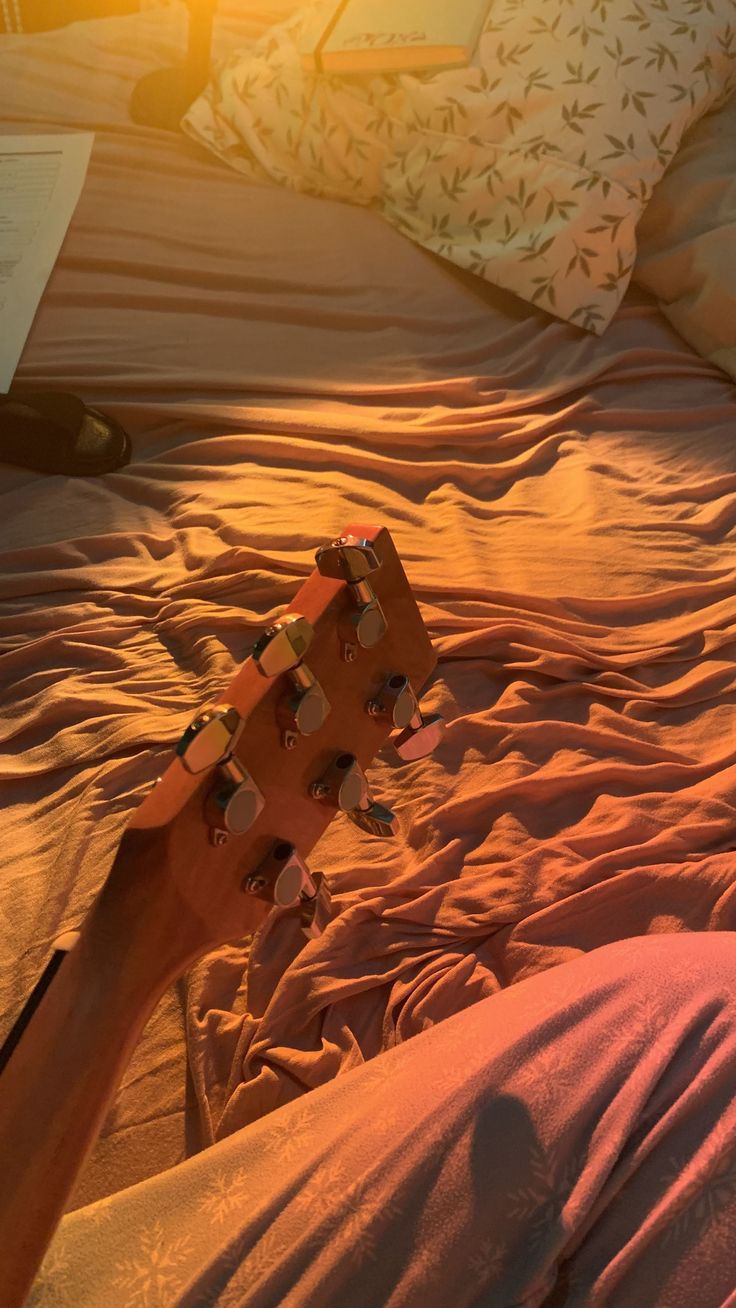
222 837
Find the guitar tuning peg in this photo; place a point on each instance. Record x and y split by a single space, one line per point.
210 738
345 785
235 801
284 878
281 649
347 559
420 737
351 560
395 700
283 645
419 734
376 819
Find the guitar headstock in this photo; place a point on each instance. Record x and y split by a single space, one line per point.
228 829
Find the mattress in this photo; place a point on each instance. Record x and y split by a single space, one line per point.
565 508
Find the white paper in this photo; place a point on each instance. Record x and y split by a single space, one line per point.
41 180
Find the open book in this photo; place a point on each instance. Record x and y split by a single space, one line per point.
389 36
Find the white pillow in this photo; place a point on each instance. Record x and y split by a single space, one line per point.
687 239
531 167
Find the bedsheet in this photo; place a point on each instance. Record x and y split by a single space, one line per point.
565 507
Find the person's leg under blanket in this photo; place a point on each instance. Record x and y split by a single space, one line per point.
569 1141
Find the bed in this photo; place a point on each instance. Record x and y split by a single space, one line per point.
565 507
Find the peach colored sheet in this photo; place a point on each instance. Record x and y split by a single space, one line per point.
566 510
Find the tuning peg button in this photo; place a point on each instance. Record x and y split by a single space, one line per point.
210 738
303 712
344 784
347 559
419 734
420 737
396 700
351 560
282 877
281 650
282 645
376 819
234 805
364 626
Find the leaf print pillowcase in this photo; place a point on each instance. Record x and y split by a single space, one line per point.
531 167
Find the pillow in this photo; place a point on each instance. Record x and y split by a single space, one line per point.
687 239
530 167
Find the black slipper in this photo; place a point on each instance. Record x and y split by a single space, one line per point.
56 432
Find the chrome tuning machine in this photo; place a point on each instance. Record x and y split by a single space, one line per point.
352 560
235 801
345 786
419 734
280 650
284 879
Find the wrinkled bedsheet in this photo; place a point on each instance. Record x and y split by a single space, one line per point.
566 510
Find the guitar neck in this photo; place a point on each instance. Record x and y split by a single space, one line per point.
223 837
65 1070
